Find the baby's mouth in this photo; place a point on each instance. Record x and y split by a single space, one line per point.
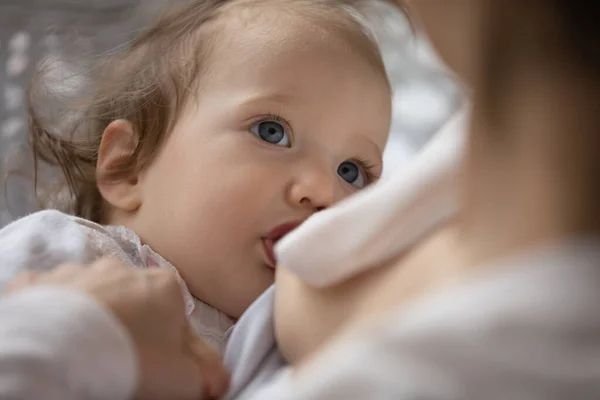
269 246
273 237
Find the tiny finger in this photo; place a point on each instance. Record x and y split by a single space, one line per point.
62 274
107 264
214 374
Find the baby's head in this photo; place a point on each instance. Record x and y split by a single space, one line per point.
223 127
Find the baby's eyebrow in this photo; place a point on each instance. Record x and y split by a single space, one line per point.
377 148
270 97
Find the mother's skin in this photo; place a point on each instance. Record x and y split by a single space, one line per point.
308 318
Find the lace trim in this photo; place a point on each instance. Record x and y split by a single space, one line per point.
211 324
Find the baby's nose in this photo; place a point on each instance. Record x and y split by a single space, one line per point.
313 188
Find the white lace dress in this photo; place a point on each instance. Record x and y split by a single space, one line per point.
46 239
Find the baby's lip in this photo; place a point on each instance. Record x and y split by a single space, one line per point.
274 236
268 247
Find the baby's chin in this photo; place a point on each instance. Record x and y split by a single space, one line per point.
240 293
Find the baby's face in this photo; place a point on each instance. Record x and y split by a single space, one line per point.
288 121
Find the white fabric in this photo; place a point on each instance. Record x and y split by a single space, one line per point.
380 222
528 330
252 356
60 345
43 240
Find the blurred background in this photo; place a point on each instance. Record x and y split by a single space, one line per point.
425 94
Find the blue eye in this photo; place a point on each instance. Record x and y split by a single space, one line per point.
351 173
271 132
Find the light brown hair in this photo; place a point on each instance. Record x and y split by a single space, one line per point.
147 83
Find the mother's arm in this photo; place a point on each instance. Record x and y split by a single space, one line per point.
58 344
75 333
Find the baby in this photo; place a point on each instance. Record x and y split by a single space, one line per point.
209 138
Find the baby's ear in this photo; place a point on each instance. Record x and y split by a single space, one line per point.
118 144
